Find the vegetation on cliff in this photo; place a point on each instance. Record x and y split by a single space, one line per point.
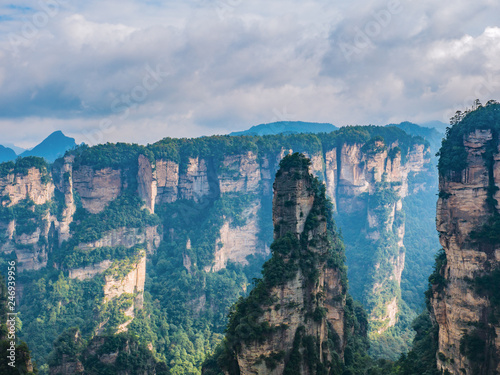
452 155
289 255
22 165
186 306
19 363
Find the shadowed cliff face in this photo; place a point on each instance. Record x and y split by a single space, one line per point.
465 298
298 306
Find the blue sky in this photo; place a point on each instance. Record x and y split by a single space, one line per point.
138 71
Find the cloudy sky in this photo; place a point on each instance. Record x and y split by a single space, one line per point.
141 70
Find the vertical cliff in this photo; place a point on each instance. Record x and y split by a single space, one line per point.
293 320
27 192
464 295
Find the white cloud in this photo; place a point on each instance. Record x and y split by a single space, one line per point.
233 70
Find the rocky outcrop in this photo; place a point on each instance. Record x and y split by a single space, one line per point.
63 175
96 188
304 293
167 180
240 173
236 243
131 283
127 237
146 183
194 183
104 354
30 247
124 281
35 185
460 310
371 182
68 366
88 272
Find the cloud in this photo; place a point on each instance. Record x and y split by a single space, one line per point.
224 65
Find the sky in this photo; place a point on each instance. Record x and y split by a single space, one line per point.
141 70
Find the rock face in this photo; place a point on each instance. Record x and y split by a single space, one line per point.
124 286
126 237
236 243
18 186
370 182
301 298
23 192
147 183
132 282
96 187
462 312
89 272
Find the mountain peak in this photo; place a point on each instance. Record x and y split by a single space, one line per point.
287 127
52 147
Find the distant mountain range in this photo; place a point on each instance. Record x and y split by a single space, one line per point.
52 147
288 127
438 125
56 144
6 154
431 134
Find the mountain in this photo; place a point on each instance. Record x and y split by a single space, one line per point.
52 147
431 134
438 125
17 150
287 127
284 325
158 242
6 154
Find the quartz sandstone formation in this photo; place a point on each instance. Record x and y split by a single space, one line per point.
457 308
308 304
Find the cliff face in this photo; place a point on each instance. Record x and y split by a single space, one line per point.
301 297
463 309
24 230
372 180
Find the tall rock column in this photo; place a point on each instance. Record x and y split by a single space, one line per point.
464 295
293 320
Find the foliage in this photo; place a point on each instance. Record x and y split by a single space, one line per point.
453 156
22 166
421 360
420 241
374 146
22 353
197 302
61 303
437 278
489 233
109 155
124 212
131 355
473 346
69 343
